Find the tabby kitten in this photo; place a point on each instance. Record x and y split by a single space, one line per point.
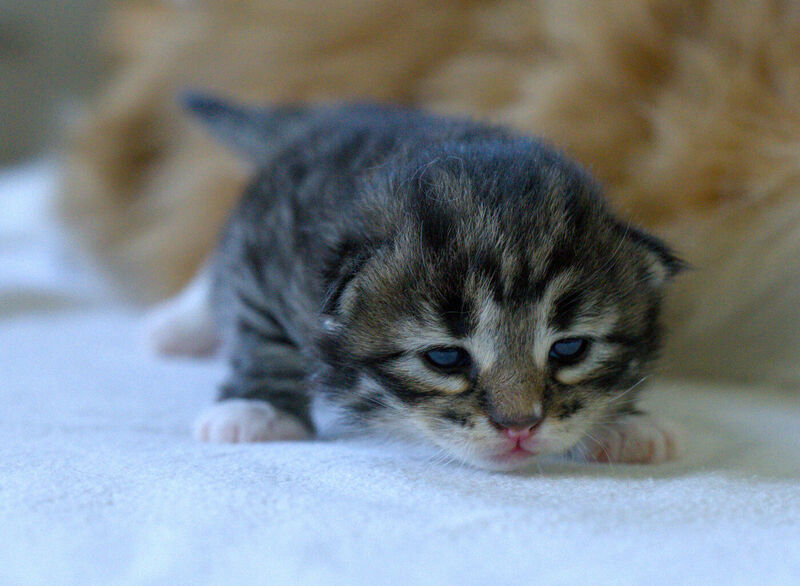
445 278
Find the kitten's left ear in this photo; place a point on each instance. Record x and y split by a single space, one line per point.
664 265
246 130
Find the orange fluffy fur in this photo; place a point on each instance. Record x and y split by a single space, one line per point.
688 111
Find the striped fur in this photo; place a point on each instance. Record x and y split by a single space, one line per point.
372 234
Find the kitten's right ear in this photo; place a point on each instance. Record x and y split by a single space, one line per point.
241 128
664 265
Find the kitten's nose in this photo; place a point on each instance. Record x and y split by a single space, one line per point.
519 428
520 433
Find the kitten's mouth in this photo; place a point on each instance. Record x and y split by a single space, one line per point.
515 454
504 456
519 445
517 451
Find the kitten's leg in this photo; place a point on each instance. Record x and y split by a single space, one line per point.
636 439
183 325
265 398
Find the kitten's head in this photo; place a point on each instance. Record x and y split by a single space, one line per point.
503 311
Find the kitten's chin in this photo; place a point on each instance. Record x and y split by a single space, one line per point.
505 461
491 449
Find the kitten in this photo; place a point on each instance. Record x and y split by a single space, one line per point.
449 279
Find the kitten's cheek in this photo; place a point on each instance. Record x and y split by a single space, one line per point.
637 439
242 420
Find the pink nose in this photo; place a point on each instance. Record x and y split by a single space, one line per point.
520 433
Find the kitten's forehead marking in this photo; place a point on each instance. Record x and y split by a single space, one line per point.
588 317
543 333
483 342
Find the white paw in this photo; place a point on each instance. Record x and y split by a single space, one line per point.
244 420
184 326
637 439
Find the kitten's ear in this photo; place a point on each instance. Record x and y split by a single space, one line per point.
664 265
345 262
243 129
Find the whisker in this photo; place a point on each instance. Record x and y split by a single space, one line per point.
599 444
629 389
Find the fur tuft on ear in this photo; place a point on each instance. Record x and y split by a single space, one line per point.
664 265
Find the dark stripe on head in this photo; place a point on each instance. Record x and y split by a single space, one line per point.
437 225
457 312
486 265
566 308
519 285
561 258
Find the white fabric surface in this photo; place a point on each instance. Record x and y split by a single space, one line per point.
100 481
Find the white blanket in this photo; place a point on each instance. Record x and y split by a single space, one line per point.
101 483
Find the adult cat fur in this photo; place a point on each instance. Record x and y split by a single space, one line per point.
688 111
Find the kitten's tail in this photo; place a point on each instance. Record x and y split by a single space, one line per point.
247 130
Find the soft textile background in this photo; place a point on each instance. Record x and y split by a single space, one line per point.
101 483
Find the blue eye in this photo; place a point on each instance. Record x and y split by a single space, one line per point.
449 359
569 350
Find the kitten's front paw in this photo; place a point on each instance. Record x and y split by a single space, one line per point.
637 439
243 420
